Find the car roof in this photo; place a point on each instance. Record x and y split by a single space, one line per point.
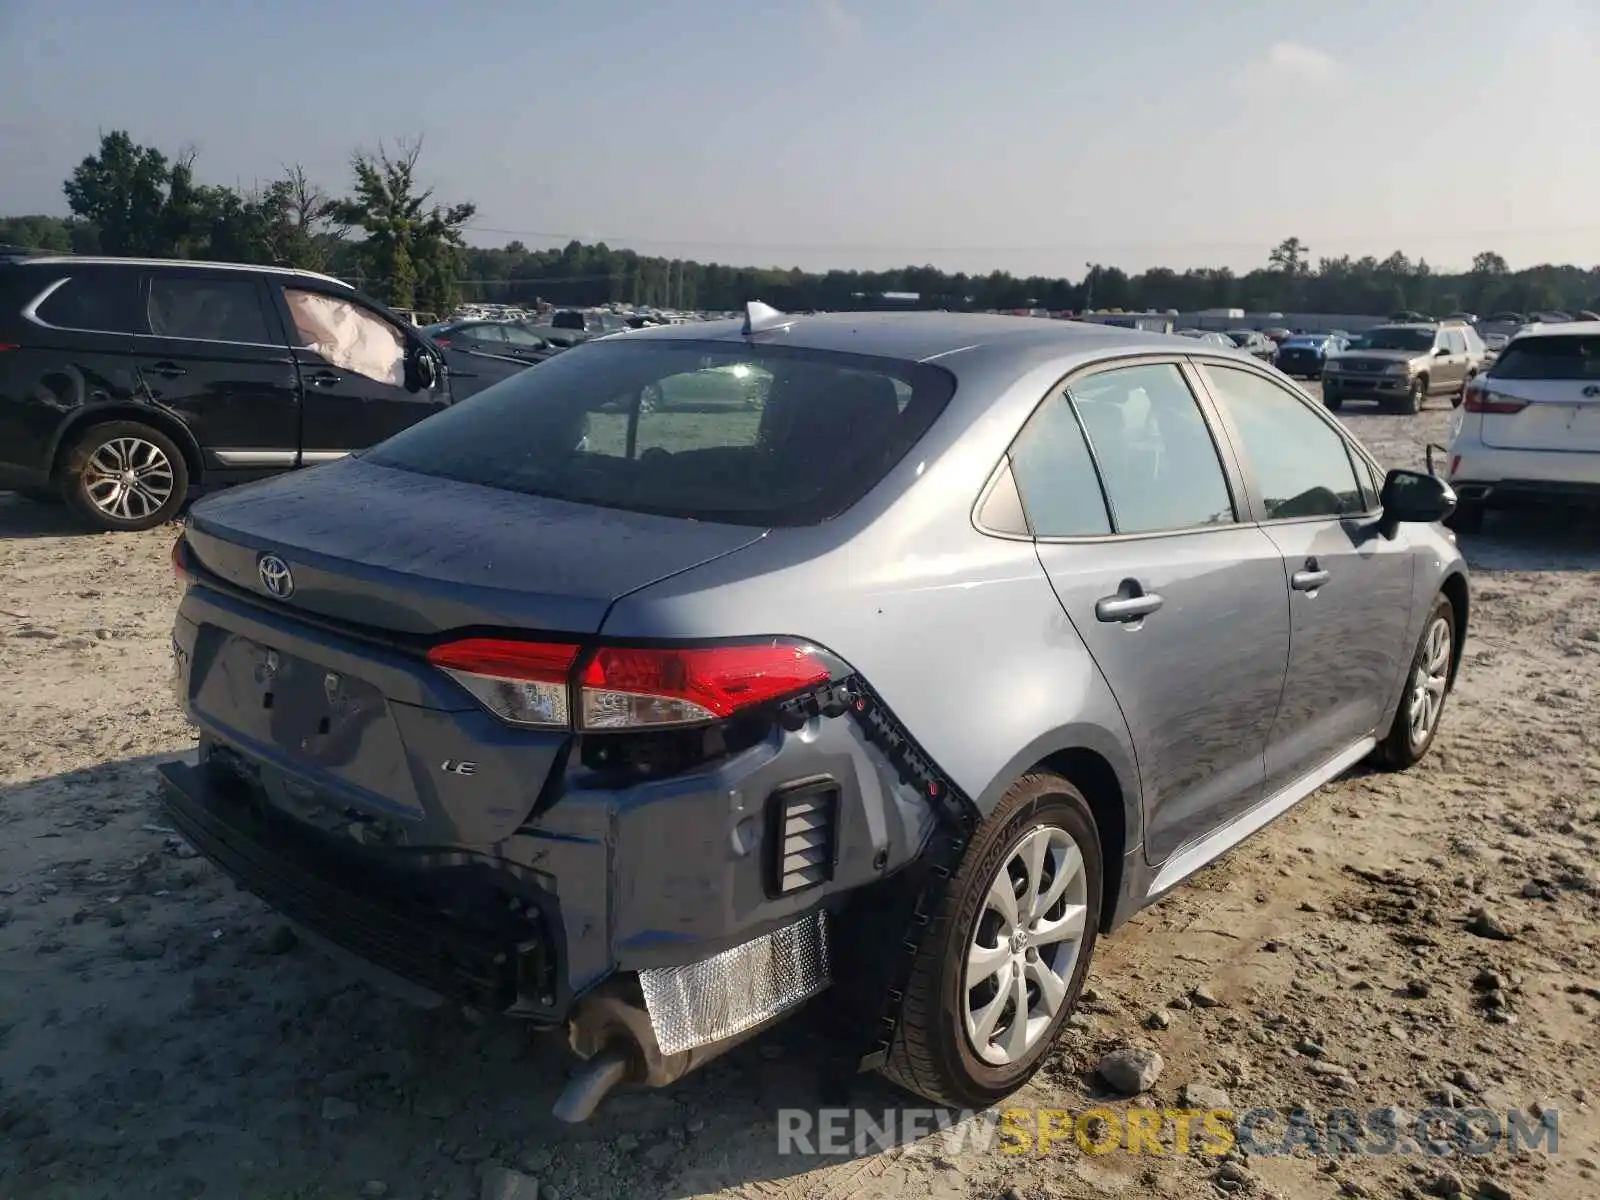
1561 329
926 336
92 260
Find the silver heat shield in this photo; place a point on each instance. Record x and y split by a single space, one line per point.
728 993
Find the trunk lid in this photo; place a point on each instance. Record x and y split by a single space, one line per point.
1556 377
359 735
413 554
1560 415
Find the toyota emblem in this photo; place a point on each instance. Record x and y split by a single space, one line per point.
275 576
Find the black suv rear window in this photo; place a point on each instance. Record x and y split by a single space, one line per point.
756 435
1571 357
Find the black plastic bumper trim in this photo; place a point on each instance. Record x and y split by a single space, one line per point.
381 927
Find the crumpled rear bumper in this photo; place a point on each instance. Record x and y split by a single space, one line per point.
494 962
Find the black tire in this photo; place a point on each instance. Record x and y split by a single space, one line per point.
932 1054
83 486
1467 517
1332 401
1415 399
1400 748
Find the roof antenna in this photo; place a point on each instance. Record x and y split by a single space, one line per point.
759 317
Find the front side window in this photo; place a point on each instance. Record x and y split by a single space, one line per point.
755 435
94 302
348 336
1454 342
1300 463
207 309
484 333
1155 452
518 336
1055 475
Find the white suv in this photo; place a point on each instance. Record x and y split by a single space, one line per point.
1528 430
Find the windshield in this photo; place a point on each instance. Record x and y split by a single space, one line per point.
1568 358
1399 338
756 435
1305 340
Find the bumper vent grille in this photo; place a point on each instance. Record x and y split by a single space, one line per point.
802 833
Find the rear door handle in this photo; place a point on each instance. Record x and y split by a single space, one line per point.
1308 580
167 370
323 379
1124 608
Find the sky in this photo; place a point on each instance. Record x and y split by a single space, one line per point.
1034 136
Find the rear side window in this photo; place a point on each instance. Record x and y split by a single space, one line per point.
98 302
1055 475
1567 357
208 310
756 435
1154 449
1300 463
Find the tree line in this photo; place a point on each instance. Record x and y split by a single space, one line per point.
388 234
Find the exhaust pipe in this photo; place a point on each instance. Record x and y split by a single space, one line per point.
610 1028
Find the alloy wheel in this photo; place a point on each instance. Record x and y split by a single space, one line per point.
1429 680
128 478
1023 952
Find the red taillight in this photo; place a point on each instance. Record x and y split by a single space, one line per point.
625 687
1480 399
524 683
445 342
4 346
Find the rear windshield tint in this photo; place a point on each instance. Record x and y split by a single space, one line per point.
1576 357
757 435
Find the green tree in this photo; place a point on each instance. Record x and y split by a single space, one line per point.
122 190
412 247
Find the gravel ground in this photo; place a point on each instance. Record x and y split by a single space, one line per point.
161 1034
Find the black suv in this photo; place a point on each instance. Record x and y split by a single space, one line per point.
127 384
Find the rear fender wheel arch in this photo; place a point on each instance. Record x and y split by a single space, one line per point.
954 1040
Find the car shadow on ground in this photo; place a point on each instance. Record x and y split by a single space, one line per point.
1535 539
21 518
170 1035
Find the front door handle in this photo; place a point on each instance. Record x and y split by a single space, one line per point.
323 379
1309 578
167 370
1131 603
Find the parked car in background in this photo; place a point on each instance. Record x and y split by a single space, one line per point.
1277 334
560 679
415 318
1528 432
1301 355
1400 366
1254 343
508 339
127 384
1209 337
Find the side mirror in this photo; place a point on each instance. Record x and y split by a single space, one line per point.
1440 351
1414 498
427 369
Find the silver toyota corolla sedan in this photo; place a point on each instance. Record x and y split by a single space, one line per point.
892 656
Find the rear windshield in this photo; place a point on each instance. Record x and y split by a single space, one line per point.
756 435
1564 357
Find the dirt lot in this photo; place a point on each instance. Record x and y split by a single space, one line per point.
161 1034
